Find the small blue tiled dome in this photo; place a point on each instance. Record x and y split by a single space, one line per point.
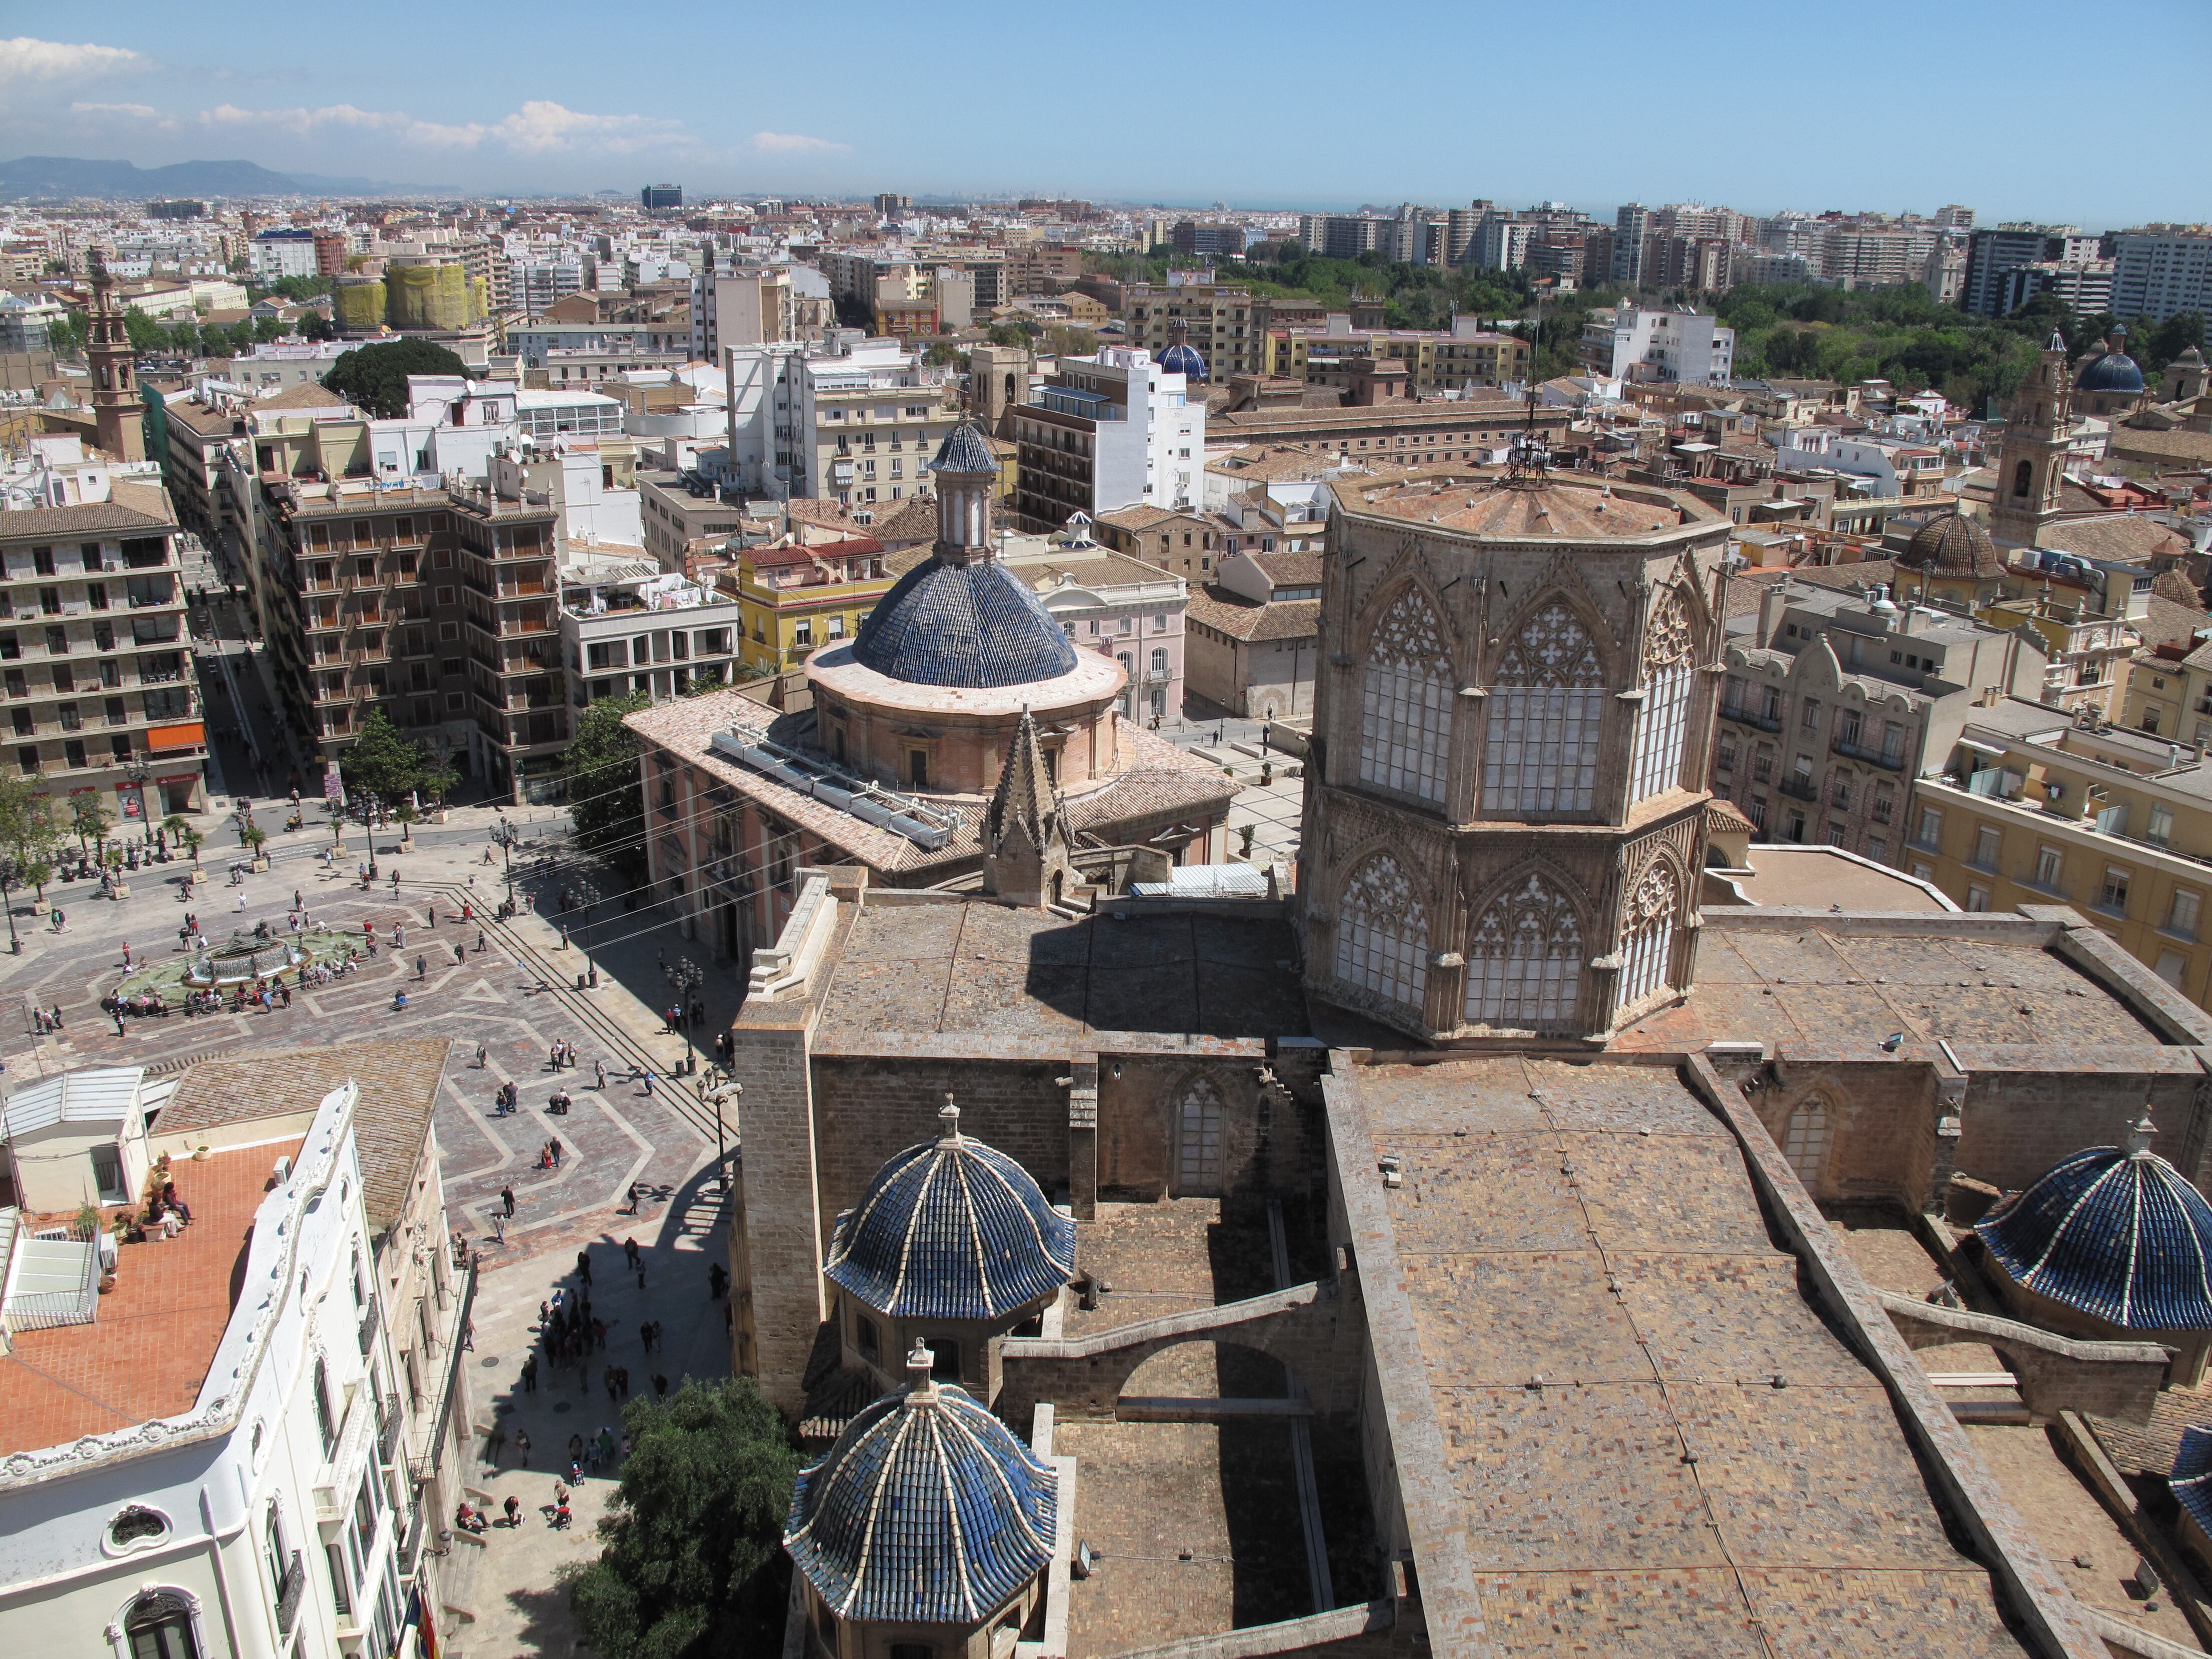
2112 369
965 450
972 624
927 1510
951 1229
2118 1233
2191 1479
1182 359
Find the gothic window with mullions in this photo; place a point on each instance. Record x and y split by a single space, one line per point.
1524 961
1405 700
1382 934
1647 932
1667 650
1547 713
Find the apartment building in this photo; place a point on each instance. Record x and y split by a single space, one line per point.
536 342
1118 606
1994 253
747 305
1835 701
2160 270
2030 807
94 658
678 508
865 419
1107 431
1042 267
628 626
437 606
1226 322
1642 344
794 598
2168 692
1466 354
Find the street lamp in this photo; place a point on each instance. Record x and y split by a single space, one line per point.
11 878
685 977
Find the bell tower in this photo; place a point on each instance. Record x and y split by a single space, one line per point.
2032 460
117 424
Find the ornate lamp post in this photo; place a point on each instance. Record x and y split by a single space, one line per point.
684 975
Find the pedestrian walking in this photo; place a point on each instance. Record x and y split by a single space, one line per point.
480 1056
507 1200
499 1226
530 1373
648 1080
241 901
299 900
513 1512
126 953
422 969
480 941
629 1245
554 1147
522 1435
599 1075
621 1380
607 1376
584 1266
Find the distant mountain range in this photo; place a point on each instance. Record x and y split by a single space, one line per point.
48 178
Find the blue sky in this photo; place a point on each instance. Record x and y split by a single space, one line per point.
2019 109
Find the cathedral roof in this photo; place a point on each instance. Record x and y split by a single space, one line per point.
2191 1479
951 1229
2119 1233
1023 799
1953 544
973 624
926 1510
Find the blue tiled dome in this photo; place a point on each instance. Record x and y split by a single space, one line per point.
951 1229
2112 369
1181 359
965 450
2191 1479
926 1510
973 624
2118 1234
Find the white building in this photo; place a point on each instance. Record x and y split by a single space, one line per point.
570 474
1106 432
1671 345
284 251
1890 468
281 1505
2162 269
628 626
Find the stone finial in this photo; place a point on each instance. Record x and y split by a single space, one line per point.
2139 1137
921 1384
948 1121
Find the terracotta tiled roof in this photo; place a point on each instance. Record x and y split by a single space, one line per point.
148 1353
2164 621
1293 569
91 517
308 394
1726 817
2127 537
397 1079
1137 518
2190 449
1249 620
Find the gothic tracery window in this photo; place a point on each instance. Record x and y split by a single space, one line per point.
1667 650
1546 706
1805 1141
1404 704
1648 932
1524 961
1382 934
1198 1138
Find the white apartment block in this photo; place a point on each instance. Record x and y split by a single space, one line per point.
1106 432
283 253
1671 345
2162 269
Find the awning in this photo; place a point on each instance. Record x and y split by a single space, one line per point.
192 734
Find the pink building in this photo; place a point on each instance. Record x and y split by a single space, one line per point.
1120 607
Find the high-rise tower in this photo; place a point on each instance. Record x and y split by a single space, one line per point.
117 420
2033 459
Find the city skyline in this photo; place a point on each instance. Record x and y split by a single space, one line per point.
1735 101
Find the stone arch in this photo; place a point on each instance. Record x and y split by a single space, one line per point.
1808 1133
1200 1163
1547 713
1527 949
1405 692
1669 669
1382 932
2023 478
1651 920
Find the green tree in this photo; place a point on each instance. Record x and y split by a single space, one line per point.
374 377
91 822
266 329
605 793
29 833
316 326
143 332
65 335
384 761
293 289
692 1563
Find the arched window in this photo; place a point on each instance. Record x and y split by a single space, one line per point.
2023 477
1405 700
1805 1141
160 1626
1657 766
1648 937
1198 1141
1382 934
1546 703
1524 963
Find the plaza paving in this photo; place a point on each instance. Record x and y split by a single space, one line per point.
515 995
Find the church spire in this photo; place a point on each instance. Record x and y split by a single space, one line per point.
1025 846
116 425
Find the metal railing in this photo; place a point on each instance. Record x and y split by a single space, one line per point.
1751 717
290 1589
1799 788
389 1430
1871 757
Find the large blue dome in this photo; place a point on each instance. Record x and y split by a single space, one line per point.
2118 1234
972 624
1181 359
926 1510
2111 370
951 1229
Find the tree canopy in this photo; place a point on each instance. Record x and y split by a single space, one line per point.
28 834
388 764
374 377
606 797
692 1565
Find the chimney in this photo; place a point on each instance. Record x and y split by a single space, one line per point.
1770 610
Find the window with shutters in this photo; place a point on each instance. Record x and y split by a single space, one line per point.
1405 708
1546 704
1524 962
1648 940
1382 934
1657 766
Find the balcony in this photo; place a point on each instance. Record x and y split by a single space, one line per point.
1743 716
369 1326
389 1424
289 1591
1871 757
1800 788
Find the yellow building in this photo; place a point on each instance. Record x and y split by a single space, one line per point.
793 598
1435 358
2033 807
2087 652
2169 693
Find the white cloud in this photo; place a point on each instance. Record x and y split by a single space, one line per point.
141 111
788 143
540 127
23 58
